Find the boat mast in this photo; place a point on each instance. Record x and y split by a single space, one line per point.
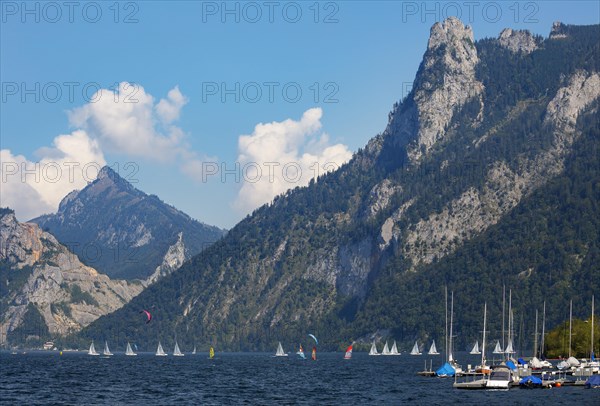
503 311
570 325
535 337
509 322
483 344
450 358
446 332
543 331
592 346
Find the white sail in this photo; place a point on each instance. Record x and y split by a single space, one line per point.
475 349
509 347
386 349
194 352
92 350
415 349
280 352
394 350
498 349
160 352
373 349
432 349
106 350
176 351
129 351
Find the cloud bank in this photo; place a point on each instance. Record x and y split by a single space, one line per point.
279 156
33 188
126 121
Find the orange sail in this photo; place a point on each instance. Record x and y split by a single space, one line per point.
348 352
314 353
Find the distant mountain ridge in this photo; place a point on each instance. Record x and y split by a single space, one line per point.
123 232
486 175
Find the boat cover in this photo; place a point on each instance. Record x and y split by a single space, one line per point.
511 365
536 363
533 380
593 381
572 361
445 370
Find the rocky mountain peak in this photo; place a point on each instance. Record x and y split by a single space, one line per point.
20 243
108 177
452 32
517 40
558 30
445 82
132 230
64 203
67 294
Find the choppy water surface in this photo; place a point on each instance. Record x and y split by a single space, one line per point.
76 378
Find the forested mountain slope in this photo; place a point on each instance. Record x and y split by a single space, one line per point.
487 174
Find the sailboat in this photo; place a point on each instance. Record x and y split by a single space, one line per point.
394 350
498 349
483 368
386 349
129 351
194 351
433 350
106 351
280 352
348 354
300 352
160 352
176 351
509 347
373 350
415 349
211 353
593 362
92 350
475 349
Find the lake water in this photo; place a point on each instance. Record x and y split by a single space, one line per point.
250 378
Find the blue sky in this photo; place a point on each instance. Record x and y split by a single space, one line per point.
361 56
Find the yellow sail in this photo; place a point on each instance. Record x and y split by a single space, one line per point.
211 353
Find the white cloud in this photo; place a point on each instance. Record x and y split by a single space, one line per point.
34 188
128 121
169 109
279 156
